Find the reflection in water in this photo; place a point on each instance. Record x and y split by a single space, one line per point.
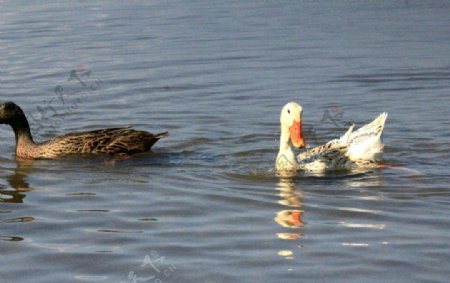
287 254
289 196
362 225
19 186
367 185
15 194
18 219
11 238
366 179
289 218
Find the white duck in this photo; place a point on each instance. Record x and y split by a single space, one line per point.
355 149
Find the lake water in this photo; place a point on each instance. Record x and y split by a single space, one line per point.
205 205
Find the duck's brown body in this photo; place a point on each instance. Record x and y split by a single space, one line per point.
114 141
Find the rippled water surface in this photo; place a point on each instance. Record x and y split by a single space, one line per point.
205 205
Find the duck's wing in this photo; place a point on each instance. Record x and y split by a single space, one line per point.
330 156
333 158
111 141
360 148
130 142
340 144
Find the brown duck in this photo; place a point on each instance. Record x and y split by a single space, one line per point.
115 142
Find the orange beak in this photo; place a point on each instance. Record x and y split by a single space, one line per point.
296 134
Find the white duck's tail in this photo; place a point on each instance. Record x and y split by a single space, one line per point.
365 143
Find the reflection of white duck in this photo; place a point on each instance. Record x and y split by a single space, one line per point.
355 149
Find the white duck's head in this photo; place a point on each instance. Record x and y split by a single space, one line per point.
291 122
291 134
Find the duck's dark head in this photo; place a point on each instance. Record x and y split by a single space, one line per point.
11 113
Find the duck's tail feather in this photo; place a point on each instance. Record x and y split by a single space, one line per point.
375 127
162 135
365 143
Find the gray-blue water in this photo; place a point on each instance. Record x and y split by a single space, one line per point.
205 205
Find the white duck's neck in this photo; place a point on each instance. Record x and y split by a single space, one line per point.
286 160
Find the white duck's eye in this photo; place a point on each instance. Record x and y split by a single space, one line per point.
289 111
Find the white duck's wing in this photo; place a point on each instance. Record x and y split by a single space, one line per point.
365 143
330 156
327 160
339 143
355 149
